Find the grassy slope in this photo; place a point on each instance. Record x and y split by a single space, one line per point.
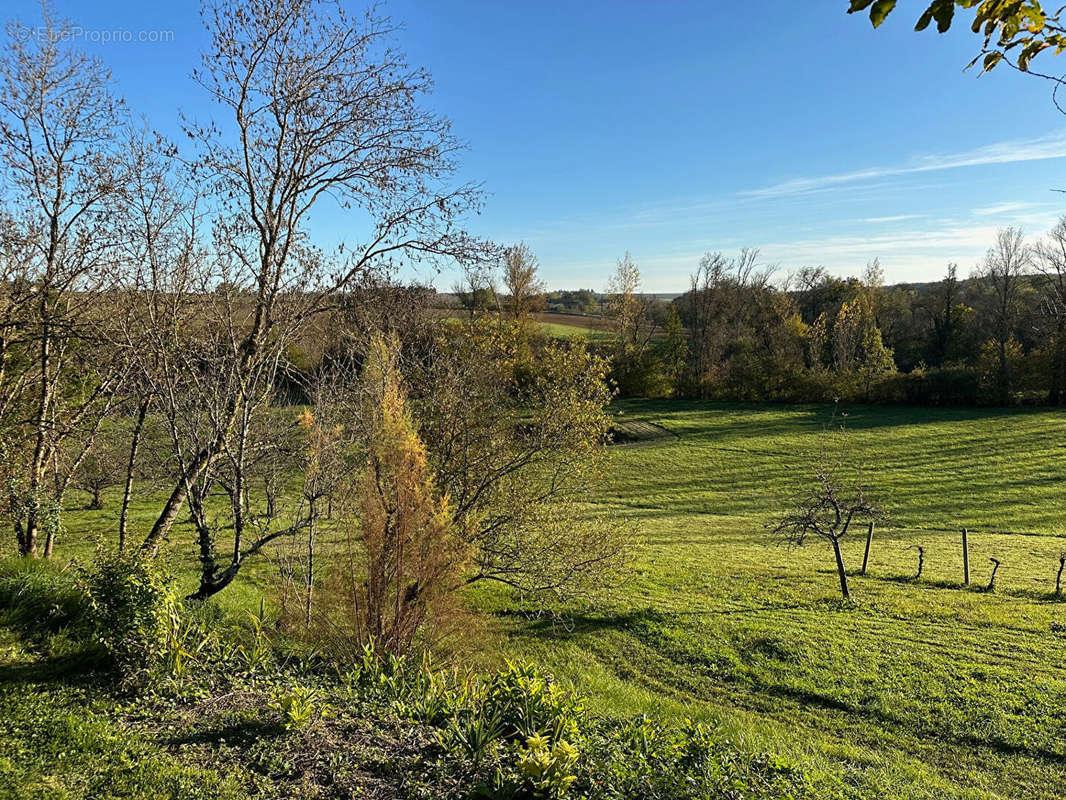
921 690
918 691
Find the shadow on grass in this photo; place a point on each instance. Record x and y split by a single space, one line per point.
548 627
74 669
552 627
234 733
859 417
819 700
973 588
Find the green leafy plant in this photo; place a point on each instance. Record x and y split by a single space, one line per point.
474 736
256 651
186 639
547 766
297 705
130 605
529 702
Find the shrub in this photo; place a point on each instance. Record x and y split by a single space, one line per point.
529 702
943 386
130 601
521 735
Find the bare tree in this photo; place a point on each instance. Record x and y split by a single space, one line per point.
827 510
1006 263
58 136
627 308
737 319
155 291
477 288
320 107
99 470
1049 258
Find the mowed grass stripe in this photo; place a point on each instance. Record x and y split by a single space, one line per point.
923 688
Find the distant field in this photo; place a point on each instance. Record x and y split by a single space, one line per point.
562 326
568 323
919 690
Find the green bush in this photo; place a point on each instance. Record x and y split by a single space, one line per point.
131 604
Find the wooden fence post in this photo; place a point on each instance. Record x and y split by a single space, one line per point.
869 538
965 560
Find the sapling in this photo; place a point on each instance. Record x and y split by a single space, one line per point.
836 499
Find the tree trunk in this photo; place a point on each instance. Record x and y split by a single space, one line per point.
212 585
1057 388
127 491
50 539
20 536
310 566
176 500
840 569
40 449
1004 374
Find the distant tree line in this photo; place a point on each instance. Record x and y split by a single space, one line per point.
997 337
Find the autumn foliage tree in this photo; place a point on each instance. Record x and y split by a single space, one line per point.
414 556
524 286
518 452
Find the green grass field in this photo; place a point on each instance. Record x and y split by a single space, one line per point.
917 690
567 326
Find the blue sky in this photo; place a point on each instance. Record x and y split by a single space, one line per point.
672 128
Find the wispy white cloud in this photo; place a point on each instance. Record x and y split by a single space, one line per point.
1007 152
1001 209
913 254
896 218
